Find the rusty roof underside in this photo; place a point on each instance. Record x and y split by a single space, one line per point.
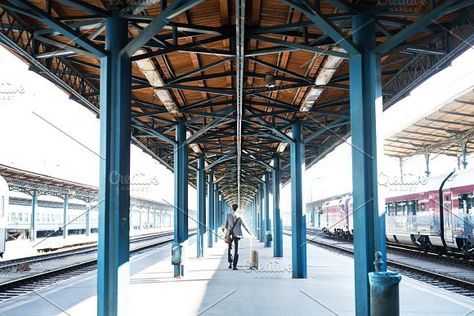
292 69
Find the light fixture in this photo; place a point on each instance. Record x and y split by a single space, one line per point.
326 72
147 67
269 80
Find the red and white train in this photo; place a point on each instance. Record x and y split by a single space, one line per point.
434 216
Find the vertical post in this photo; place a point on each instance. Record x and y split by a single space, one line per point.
154 218
88 218
139 210
148 217
427 164
365 100
277 231
113 269
261 225
210 204
216 212
298 225
464 153
34 208
201 205
162 220
65 207
180 189
268 225
255 215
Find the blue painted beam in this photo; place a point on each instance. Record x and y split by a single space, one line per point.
65 212
327 26
34 209
417 26
157 24
365 97
268 224
298 225
61 28
210 204
113 270
277 229
201 205
180 189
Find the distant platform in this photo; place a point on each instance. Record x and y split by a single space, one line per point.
21 248
209 288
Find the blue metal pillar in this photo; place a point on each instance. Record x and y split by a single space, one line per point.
255 216
365 96
298 225
277 225
216 212
65 208
88 219
113 269
210 204
34 208
268 224
201 205
261 224
180 189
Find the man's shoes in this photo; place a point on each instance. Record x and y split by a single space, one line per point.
230 265
235 268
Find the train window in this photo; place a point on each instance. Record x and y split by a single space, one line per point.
465 203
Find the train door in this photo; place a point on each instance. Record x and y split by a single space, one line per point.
4 196
448 218
465 218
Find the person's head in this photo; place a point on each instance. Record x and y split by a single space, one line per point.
235 207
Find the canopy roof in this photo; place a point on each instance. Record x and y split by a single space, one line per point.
285 60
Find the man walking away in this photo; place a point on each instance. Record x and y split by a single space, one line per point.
234 223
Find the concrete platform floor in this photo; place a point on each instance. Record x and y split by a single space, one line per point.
209 288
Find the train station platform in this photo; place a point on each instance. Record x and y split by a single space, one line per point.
22 248
209 288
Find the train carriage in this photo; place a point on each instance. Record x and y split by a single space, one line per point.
434 216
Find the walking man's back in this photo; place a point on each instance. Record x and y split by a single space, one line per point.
234 225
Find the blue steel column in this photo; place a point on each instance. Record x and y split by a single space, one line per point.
255 216
261 224
201 205
298 225
180 189
268 224
277 229
114 193
216 212
210 204
365 93
65 207
34 208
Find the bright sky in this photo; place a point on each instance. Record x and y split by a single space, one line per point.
43 131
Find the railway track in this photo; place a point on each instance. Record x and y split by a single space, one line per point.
31 283
14 263
444 281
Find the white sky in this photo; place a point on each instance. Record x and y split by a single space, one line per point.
36 119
